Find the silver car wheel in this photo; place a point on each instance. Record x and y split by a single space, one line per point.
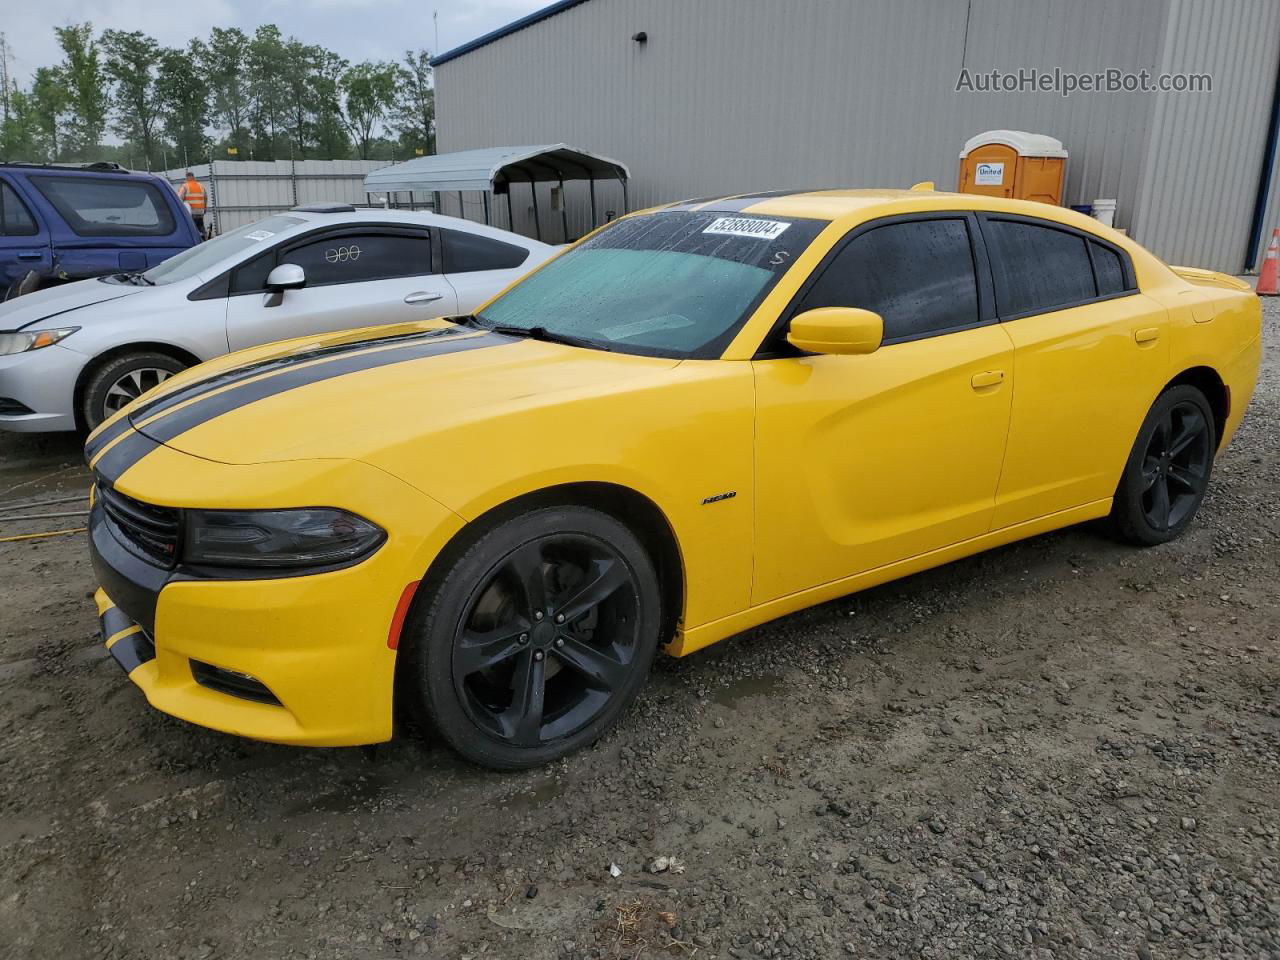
131 386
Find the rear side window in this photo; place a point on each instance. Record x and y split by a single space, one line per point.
360 257
108 206
918 275
15 218
1108 270
467 252
1037 269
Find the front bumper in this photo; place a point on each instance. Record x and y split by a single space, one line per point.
317 643
43 381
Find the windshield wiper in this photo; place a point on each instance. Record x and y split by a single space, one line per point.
134 278
545 335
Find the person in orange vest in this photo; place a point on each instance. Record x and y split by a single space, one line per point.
192 194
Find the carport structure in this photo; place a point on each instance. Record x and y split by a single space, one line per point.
492 170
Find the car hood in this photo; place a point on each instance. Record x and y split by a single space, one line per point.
58 304
354 395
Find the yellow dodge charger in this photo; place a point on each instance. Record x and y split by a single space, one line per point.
697 419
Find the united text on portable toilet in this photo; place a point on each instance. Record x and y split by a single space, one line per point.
1013 163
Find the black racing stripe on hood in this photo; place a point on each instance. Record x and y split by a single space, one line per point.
134 447
237 374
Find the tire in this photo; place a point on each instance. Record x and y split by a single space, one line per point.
492 668
1168 470
121 379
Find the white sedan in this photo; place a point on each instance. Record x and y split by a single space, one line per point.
72 355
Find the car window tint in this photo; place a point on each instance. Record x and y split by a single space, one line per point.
1108 270
918 275
251 276
359 257
1037 269
468 252
15 218
108 207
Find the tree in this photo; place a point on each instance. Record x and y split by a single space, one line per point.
48 105
330 132
131 59
86 88
414 116
369 90
19 134
225 69
183 96
268 94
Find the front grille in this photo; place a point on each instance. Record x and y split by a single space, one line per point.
150 531
12 408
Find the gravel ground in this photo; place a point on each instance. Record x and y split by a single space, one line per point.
1063 748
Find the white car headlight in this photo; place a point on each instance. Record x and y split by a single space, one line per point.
23 340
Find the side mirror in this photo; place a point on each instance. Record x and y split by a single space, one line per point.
836 330
286 276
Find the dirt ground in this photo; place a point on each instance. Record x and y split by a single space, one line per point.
1063 748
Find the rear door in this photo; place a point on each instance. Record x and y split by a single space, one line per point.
479 266
356 276
24 240
1091 353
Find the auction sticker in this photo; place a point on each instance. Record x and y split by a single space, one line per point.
747 227
259 235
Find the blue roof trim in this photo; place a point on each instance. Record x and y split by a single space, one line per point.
536 17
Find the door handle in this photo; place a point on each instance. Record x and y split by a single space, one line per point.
422 296
1146 334
987 378
29 255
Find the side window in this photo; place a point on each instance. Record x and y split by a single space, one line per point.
15 218
108 207
1037 269
918 275
467 252
359 257
251 276
1108 270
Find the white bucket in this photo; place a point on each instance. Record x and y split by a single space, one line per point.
1104 211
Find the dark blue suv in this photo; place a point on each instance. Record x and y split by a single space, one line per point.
72 222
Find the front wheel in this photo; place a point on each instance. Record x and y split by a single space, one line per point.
538 638
121 380
1168 470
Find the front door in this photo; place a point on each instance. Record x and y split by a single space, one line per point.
862 461
355 278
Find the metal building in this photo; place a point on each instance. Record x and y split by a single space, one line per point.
704 97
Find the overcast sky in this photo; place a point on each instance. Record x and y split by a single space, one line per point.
355 29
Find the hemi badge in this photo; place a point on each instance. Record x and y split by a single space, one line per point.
729 495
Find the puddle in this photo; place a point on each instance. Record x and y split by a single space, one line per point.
737 691
532 798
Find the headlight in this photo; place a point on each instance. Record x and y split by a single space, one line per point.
312 537
21 341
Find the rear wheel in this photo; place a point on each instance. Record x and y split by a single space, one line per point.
538 638
1168 470
121 380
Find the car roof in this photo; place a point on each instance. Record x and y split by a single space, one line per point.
838 204
378 215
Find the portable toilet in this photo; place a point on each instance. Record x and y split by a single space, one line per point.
1014 163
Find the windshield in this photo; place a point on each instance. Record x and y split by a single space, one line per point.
672 284
209 255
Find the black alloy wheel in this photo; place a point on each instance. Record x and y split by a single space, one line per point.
539 636
1168 471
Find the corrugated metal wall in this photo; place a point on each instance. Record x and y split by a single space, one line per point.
242 191
1205 152
736 95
